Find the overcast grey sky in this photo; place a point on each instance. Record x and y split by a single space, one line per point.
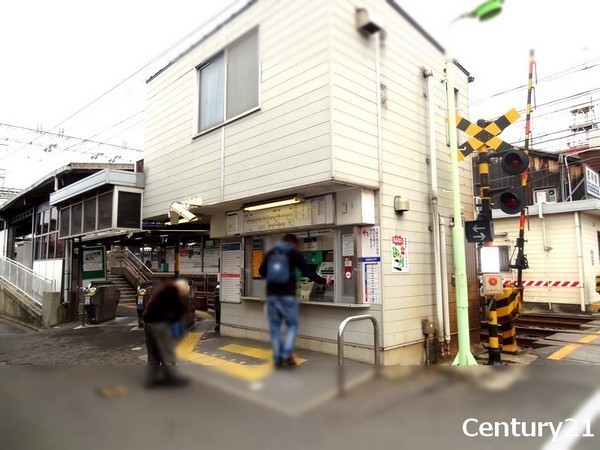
58 56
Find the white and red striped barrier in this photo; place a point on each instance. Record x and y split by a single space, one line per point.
543 283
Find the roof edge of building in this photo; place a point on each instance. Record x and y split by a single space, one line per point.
63 170
589 205
250 3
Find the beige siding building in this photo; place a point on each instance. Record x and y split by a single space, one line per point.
562 249
289 101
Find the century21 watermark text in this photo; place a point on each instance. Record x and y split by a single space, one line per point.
517 428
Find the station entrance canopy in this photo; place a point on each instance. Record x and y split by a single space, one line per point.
106 202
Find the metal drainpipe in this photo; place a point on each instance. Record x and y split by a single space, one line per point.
435 216
445 296
380 162
578 243
545 246
568 177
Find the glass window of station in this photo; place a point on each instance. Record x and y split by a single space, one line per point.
47 244
331 253
116 209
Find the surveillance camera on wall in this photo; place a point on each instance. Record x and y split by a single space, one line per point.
178 210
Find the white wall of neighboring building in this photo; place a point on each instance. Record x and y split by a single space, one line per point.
51 269
560 262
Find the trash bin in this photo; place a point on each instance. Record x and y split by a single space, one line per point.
164 267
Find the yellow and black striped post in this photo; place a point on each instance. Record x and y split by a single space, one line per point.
508 308
494 357
509 342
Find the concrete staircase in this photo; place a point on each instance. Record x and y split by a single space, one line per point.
128 292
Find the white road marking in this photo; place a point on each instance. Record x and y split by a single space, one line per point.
569 435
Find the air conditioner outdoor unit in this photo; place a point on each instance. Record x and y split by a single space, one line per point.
547 195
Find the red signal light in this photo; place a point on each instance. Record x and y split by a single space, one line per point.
515 162
512 201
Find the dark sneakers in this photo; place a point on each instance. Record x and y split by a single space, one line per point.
290 361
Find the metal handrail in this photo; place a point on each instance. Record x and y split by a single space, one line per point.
25 280
25 269
139 275
340 343
126 259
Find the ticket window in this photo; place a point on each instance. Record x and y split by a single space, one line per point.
330 253
319 254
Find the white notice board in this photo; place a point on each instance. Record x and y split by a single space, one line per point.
370 264
231 269
314 211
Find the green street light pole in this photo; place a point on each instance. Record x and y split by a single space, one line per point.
464 357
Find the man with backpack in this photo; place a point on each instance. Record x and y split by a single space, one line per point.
278 268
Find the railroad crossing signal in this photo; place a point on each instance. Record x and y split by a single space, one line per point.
485 134
479 231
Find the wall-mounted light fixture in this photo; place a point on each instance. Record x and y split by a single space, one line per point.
401 205
274 203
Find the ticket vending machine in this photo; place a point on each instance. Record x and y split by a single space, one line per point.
311 291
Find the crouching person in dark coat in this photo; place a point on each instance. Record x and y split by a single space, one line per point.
166 306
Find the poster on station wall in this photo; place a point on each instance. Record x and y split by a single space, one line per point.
94 263
231 269
258 254
370 264
400 254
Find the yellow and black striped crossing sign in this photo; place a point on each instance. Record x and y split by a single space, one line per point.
487 135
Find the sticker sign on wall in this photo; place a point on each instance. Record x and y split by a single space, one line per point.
400 254
370 241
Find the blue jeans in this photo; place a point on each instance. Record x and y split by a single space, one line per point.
282 309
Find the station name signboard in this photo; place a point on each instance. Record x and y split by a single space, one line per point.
592 182
152 225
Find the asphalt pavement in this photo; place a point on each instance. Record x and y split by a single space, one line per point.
72 388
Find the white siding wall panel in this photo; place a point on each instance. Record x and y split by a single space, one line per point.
283 145
408 298
590 225
560 262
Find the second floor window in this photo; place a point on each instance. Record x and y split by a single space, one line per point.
229 83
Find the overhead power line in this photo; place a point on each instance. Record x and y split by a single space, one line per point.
64 136
138 71
547 78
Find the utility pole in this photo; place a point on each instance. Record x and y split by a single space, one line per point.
464 356
485 11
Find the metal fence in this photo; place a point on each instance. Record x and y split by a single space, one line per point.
32 284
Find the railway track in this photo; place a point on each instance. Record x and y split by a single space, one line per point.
532 328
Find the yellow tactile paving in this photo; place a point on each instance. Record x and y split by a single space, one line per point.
258 353
187 344
567 349
185 350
